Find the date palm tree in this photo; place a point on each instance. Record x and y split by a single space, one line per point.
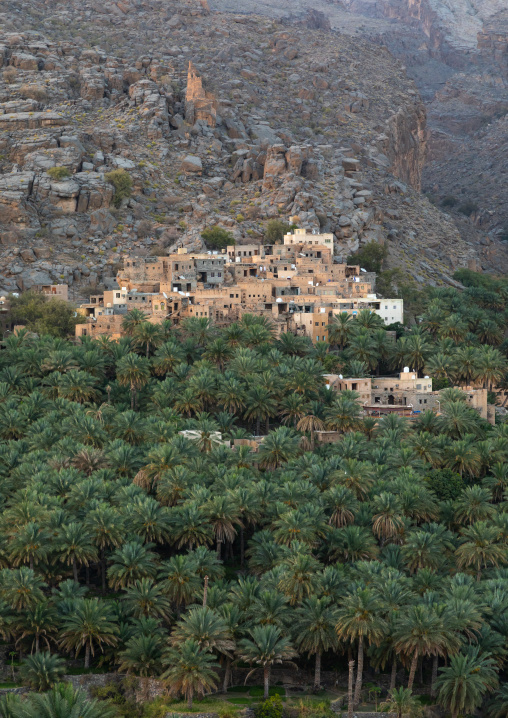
130 563
41 671
419 631
75 547
62 700
344 413
259 404
147 335
190 672
106 529
132 320
38 622
178 580
90 626
21 588
30 544
142 656
223 515
343 505
265 648
402 704
278 447
340 329
463 683
207 628
146 598
314 630
480 548
133 371
359 620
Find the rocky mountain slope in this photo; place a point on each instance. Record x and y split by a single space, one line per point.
291 121
457 53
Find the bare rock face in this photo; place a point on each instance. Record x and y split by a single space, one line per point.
199 104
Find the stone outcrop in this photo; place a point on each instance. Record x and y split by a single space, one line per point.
199 104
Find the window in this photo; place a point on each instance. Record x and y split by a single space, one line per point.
117 295
418 386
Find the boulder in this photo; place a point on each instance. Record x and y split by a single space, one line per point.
191 163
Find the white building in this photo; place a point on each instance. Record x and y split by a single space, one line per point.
390 310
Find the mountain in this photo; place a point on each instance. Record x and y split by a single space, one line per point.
210 117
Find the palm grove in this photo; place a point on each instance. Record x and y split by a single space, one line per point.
125 542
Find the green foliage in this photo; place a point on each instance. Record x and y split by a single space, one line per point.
217 237
449 201
271 708
445 483
275 231
59 173
43 315
467 208
42 671
122 182
371 256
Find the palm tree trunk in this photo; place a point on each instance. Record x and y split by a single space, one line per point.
350 704
312 438
75 569
37 642
393 678
132 397
266 680
189 698
87 655
267 424
219 543
412 671
359 672
227 675
435 663
317 672
258 427
103 572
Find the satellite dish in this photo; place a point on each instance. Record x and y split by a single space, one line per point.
340 376
406 370
427 377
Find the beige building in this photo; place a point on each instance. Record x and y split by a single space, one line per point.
296 285
301 236
336 382
408 389
58 291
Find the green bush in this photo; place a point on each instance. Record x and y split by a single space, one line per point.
449 201
271 708
467 208
217 238
122 182
43 315
371 257
445 483
59 173
276 229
